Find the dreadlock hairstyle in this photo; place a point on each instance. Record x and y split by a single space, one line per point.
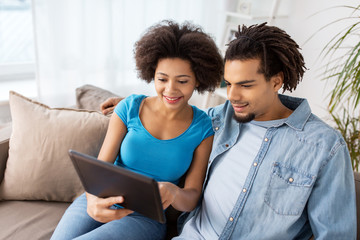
187 41
275 49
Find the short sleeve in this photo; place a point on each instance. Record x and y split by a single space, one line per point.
129 107
203 122
207 130
122 109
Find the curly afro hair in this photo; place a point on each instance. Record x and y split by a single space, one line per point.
274 47
168 39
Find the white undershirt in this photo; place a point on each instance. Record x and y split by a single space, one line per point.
227 179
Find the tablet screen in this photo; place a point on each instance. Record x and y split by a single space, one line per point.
103 179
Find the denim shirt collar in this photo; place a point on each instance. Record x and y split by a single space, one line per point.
223 116
301 114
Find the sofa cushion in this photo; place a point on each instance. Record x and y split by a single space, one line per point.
4 148
90 97
38 166
30 219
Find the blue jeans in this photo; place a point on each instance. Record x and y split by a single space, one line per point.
77 224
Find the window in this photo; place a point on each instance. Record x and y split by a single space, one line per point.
17 54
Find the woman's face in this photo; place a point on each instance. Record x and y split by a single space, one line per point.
174 81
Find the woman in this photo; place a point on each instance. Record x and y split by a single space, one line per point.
160 136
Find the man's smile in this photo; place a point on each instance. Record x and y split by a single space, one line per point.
239 107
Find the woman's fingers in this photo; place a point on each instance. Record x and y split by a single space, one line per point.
99 208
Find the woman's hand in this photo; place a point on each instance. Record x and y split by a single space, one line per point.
168 192
99 208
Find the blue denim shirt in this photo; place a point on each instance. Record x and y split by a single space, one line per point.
300 184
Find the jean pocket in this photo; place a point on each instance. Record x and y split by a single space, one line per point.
288 190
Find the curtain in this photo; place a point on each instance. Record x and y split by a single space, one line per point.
91 41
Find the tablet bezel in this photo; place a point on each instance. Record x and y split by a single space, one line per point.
103 179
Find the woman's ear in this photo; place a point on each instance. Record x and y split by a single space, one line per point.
277 80
197 84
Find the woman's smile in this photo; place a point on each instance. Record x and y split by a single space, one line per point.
172 100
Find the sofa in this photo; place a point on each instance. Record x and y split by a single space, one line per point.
37 180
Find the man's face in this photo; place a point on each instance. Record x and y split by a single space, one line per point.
252 97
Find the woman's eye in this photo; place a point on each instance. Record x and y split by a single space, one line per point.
161 79
183 82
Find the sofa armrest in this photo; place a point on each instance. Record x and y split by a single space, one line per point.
4 149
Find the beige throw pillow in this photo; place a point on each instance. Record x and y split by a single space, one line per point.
38 167
90 97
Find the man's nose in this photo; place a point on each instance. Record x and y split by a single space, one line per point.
233 93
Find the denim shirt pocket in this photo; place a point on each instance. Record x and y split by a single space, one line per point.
288 190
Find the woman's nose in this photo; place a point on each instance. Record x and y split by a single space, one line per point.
171 85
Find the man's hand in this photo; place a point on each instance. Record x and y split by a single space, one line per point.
99 208
109 104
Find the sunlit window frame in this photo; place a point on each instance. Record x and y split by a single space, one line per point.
18 70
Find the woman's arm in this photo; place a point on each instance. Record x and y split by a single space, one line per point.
99 208
185 199
115 134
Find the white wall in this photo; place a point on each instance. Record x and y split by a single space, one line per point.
74 48
307 17
303 22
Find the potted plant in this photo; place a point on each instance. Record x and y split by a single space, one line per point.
344 73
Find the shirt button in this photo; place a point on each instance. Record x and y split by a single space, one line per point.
255 164
244 190
216 128
291 179
226 145
266 139
231 219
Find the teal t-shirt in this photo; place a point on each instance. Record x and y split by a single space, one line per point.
163 160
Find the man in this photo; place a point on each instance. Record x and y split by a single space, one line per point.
276 171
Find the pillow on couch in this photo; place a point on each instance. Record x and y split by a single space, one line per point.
38 166
90 97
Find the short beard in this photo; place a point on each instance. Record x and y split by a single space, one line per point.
245 119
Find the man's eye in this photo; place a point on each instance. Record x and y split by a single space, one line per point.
247 86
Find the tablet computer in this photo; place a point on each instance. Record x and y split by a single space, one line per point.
103 179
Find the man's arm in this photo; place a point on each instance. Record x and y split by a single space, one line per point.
109 105
332 204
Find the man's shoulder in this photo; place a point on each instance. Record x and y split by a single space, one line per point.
317 124
219 111
309 127
320 133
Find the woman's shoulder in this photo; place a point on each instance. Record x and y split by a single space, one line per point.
130 102
202 123
200 115
133 99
